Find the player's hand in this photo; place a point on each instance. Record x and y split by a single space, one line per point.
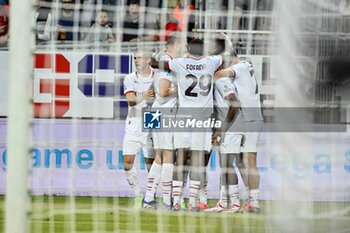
149 94
215 138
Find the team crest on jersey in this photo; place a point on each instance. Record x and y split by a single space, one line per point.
152 119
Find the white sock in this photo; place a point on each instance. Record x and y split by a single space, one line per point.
254 197
167 177
194 189
153 180
203 191
131 177
246 196
186 178
177 191
182 198
223 196
233 192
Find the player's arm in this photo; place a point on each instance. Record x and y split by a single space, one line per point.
227 57
134 100
131 98
162 65
231 115
165 88
228 72
130 94
232 112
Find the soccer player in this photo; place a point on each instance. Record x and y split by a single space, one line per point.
138 92
246 84
221 45
166 100
194 85
226 105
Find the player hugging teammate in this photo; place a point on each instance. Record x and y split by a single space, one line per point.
240 142
192 78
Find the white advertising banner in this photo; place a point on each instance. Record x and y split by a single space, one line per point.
85 84
72 84
84 157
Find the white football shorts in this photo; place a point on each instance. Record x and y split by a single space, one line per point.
163 140
200 141
133 143
251 136
182 140
231 143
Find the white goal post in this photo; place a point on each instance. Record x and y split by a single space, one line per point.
19 115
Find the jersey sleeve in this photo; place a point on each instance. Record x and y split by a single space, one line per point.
128 84
166 75
225 87
217 62
175 65
165 57
234 69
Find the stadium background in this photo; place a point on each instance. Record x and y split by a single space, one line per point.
83 92
79 113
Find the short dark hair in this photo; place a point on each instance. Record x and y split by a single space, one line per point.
196 47
220 46
102 11
134 2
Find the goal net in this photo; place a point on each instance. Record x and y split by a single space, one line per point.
64 122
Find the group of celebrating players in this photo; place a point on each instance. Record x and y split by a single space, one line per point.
219 83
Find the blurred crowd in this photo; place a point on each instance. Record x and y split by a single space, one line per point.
129 20
107 21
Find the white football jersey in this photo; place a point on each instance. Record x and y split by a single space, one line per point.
166 57
138 85
223 87
195 82
168 101
247 90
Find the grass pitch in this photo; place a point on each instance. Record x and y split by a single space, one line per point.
100 214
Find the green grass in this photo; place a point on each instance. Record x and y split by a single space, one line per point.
100 214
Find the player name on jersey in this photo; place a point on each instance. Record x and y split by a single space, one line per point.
196 67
